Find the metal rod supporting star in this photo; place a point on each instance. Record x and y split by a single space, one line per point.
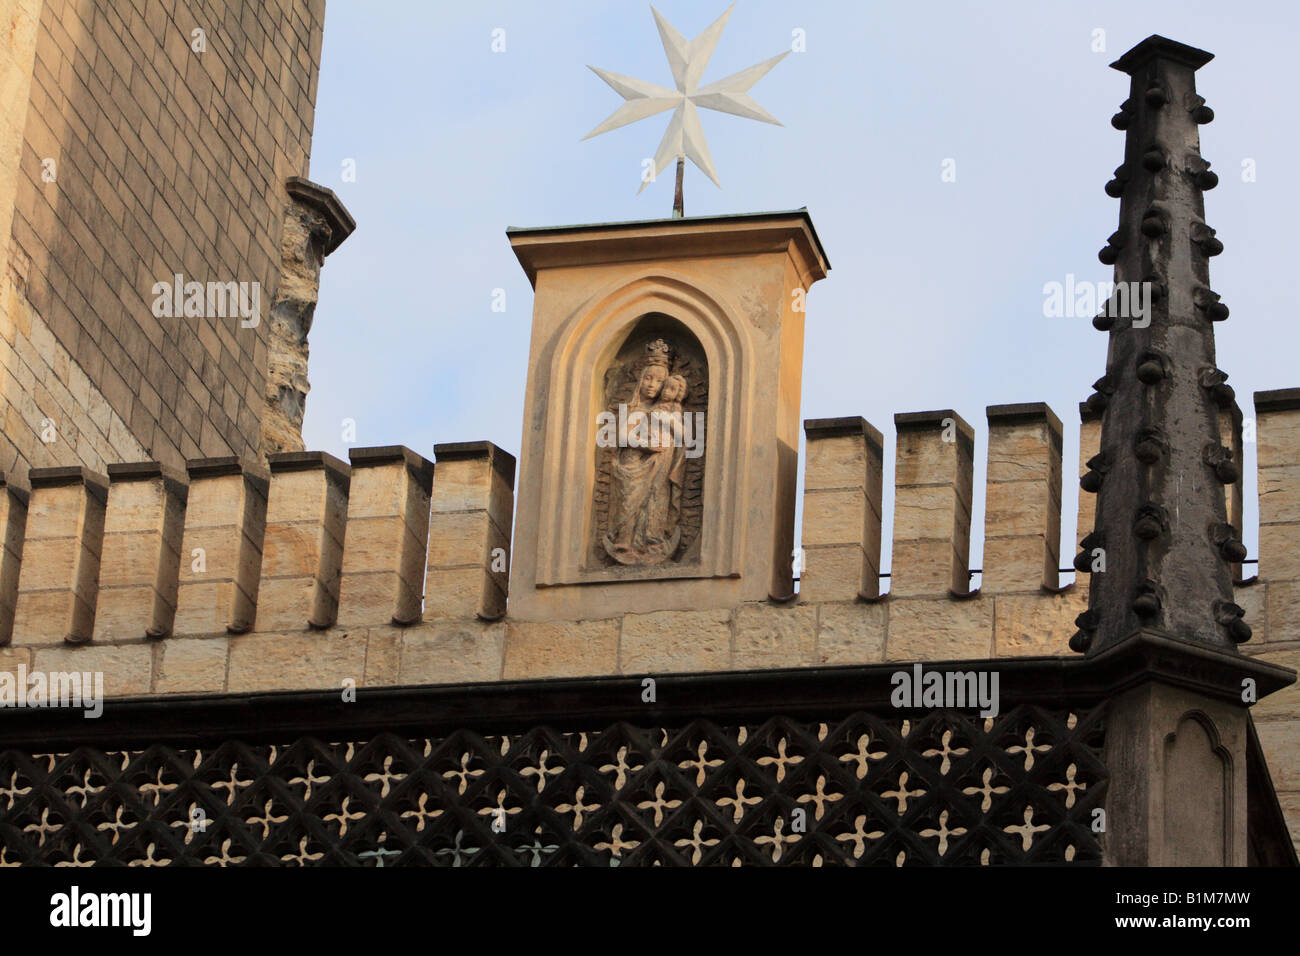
684 138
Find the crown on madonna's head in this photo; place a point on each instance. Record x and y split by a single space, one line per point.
659 352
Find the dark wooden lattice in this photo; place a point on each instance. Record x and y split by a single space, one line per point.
938 788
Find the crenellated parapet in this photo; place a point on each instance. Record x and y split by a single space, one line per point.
392 568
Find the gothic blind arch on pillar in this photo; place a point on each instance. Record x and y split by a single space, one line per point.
588 345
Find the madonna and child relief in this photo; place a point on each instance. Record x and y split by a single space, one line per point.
650 448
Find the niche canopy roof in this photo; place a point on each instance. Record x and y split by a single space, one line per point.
684 137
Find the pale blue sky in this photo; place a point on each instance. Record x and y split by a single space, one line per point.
935 298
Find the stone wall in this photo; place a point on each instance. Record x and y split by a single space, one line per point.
130 157
309 574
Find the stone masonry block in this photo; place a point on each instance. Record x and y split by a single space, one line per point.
221 549
940 629
58 581
299 661
192 666
127 668
1036 624
449 652
139 574
852 633
837 572
387 536
668 642
475 480
769 635
560 649
13 530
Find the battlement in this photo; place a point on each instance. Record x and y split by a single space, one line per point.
391 569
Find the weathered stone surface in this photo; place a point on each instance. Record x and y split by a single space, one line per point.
1285 702
927 568
923 457
1036 624
928 511
461 593
384 656
284 604
12 657
310 660
940 629
192 666
463 484
836 573
1279 494
839 462
1278 438
1014 564
1018 508
123 613
834 517
458 539
669 642
769 635
291 549
450 653
1279 557
561 649
1254 601
1280 739
1022 453
851 633
1282 611
204 607
369 598
127 668
134 506
1290 801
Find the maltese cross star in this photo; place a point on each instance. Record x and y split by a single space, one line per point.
685 134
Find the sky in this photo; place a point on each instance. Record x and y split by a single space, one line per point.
952 157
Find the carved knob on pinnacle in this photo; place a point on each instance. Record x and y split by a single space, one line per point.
1153 224
1152 367
1230 616
1087 625
1147 603
1204 237
1153 160
1150 445
1091 481
1156 97
1225 538
1151 522
1102 390
1202 114
1208 302
1207 180
1157 284
1084 559
1121 119
1110 253
1216 381
1219 458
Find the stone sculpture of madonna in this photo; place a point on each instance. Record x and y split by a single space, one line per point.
644 526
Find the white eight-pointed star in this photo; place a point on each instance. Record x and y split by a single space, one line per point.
685 135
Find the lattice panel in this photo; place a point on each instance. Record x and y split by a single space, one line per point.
941 789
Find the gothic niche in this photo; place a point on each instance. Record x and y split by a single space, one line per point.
650 441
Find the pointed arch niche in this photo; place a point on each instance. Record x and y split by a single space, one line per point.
598 365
